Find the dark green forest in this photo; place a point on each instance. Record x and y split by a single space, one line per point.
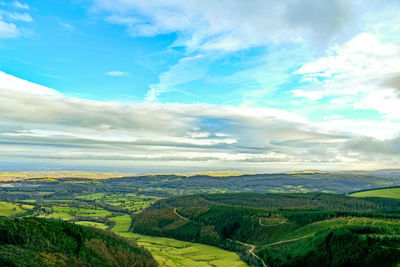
45 242
285 229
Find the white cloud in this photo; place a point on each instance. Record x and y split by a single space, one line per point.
116 73
185 70
69 130
15 16
362 73
7 19
333 117
8 30
20 5
232 25
12 83
67 26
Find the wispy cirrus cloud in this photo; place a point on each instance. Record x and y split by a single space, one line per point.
20 5
8 30
9 19
116 73
186 70
15 16
232 25
68 27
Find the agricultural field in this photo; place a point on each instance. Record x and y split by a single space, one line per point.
122 223
53 175
98 225
130 202
386 193
167 252
9 209
174 253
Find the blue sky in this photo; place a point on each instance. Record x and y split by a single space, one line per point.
171 85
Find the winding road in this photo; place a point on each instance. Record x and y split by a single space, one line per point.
286 241
180 216
250 246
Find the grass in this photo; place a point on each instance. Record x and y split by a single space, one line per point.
173 253
93 224
131 202
273 220
8 209
387 193
122 223
58 215
27 207
16 176
69 213
96 196
310 229
98 212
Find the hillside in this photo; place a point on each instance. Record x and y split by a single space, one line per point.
43 242
61 186
275 201
282 229
385 193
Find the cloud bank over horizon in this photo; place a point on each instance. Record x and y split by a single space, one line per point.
41 124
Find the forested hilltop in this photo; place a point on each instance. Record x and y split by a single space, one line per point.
173 185
46 242
283 229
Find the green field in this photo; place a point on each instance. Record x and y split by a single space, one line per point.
387 193
8 209
173 253
309 230
122 223
131 202
57 215
93 224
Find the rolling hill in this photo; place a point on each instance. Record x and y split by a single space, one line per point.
44 242
282 229
384 192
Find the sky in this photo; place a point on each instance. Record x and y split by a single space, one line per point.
172 85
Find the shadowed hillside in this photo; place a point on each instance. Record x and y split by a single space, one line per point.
43 242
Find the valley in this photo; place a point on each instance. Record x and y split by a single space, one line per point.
184 221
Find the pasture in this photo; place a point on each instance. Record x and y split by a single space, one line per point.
8 209
173 253
387 193
93 224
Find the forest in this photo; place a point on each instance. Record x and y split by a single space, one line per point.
285 229
47 242
197 213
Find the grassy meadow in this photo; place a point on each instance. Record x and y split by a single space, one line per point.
98 225
174 253
387 193
8 209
